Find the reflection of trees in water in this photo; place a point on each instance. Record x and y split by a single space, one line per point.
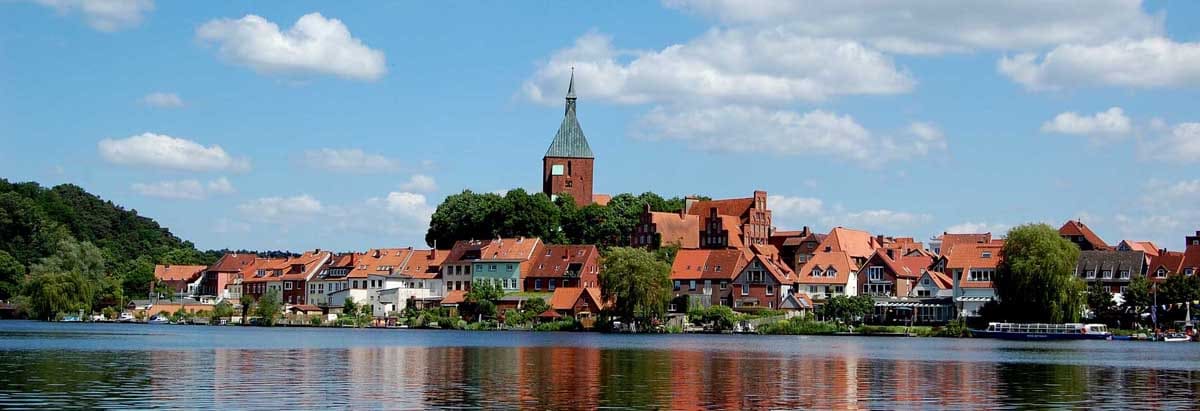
74 379
1061 384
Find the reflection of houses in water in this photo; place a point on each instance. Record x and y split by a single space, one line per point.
552 376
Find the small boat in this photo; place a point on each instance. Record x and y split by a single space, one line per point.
71 319
1022 331
126 317
159 319
1176 337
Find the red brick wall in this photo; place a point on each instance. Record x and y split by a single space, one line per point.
579 178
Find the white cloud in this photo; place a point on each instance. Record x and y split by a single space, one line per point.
1111 123
314 44
978 227
1146 63
750 129
162 99
184 189
794 211
720 65
281 210
881 219
1179 144
420 183
933 26
349 160
400 214
228 226
104 15
166 152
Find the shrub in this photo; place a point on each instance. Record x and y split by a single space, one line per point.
561 325
800 326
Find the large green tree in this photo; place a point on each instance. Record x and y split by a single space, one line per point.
1100 302
637 282
846 309
12 273
1179 289
1035 281
71 279
269 307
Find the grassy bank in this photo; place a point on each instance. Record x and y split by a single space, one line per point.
804 326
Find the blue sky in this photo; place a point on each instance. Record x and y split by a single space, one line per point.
340 125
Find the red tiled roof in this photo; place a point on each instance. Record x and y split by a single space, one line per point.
305 266
950 240
564 298
942 281
838 260
424 264
737 207
678 229
556 259
1172 261
1077 228
454 297
178 272
1147 247
708 264
601 199
855 243
269 265
232 262
968 256
1191 257
373 260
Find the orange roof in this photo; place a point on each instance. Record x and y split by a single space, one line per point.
1147 247
772 263
838 260
454 297
178 272
306 265
969 256
737 207
675 228
499 249
950 240
942 281
380 261
424 264
233 262
855 243
564 298
1172 261
601 199
557 259
1191 257
1077 228
708 264
272 270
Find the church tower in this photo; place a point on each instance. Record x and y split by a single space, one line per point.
567 166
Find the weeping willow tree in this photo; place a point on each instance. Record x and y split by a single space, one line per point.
73 278
1036 280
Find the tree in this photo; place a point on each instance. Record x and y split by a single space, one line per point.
638 282
1180 289
1035 281
223 309
845 310
11 275
1100 301
69 280
268 308
534 307
720 317
246 302
484 290
1138 295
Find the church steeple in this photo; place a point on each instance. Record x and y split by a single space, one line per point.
570 141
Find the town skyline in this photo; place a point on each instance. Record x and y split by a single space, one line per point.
231 146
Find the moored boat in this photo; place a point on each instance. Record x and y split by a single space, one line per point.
159 319
1037 331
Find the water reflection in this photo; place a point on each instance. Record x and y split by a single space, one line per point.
556 377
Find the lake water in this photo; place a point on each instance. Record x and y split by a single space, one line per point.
131 366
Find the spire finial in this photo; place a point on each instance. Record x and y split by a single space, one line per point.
571 87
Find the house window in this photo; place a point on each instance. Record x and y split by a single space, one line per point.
831 272
692 285
718 268
492 267
986 274
1124 274
1189 271
1106 274
986 254
770 289
677 285
287 285
839 289
875 273
745 289
552 285
925 281
724 284
922 293
556 170
1161 273
510 268
537 284
816 272
1123 288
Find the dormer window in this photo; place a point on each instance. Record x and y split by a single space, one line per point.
1161 273
816 272
986 254
831 272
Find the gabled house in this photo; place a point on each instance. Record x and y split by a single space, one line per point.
763 281
1111 268
657 229
933 284
885 274
828 274
368 277
972 268
503 261
856 244
182 280
262 276
559 266
720 219
904 288
223 279
416 278
1191 260
945 243
702 278
1164 265
298 272
331 278
1079 233
577 302
1148 249
796 247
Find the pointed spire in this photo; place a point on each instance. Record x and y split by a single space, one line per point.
569 141
571 86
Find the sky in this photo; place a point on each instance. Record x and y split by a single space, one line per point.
341 125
